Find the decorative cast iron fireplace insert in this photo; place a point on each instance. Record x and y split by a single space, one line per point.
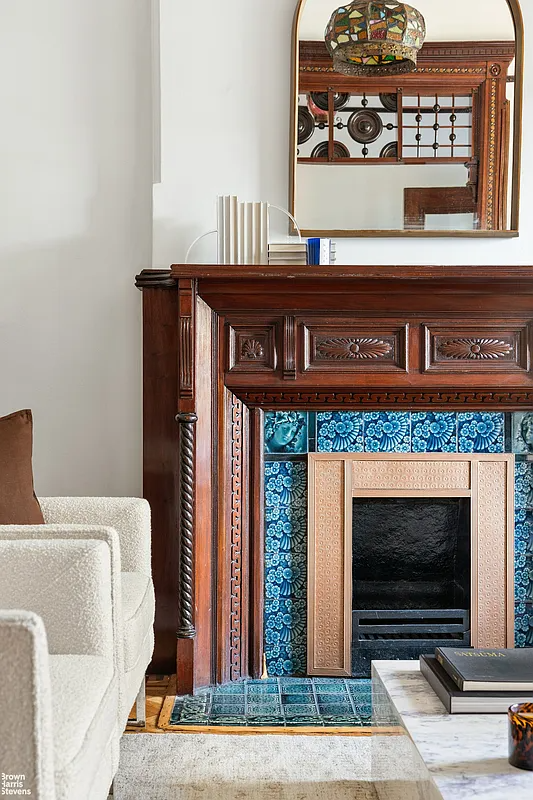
451 338
411 566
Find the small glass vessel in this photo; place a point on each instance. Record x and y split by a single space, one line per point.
521 736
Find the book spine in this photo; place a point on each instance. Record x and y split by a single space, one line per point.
449 668
325 252
436 685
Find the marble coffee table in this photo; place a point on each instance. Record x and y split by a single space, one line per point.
454 757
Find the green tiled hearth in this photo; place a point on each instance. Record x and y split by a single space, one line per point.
279 702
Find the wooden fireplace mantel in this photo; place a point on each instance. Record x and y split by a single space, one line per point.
224 343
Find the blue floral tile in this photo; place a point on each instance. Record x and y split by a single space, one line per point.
434 432
286 575
285 483
286 659
523 625
523 484
340 432
387 432
286 621
288 531
286 431
481 432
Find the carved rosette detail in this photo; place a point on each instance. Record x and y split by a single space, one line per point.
475 349
347 348
252 350
186 629
236 540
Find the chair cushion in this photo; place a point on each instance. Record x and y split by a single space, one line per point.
138 609
18 503
84 714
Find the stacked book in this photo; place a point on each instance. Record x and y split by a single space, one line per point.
295 255
479 681
321 252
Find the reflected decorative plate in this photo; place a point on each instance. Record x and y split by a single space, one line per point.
390 150
306 125
365 126
389 101
339 150
320 99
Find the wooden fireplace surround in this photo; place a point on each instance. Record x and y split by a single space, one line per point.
224 343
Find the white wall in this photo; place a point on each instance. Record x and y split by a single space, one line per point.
225 129
75 227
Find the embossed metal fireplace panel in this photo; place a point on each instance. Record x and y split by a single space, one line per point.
334 479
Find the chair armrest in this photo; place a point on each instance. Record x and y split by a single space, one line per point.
129 516
26 744
70 577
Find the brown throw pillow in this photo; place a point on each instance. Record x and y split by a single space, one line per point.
18 504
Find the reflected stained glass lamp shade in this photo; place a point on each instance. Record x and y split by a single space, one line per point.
374 39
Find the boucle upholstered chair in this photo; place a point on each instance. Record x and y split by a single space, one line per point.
59 667
130 518
123 524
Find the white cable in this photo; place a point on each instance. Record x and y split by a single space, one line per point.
198 238
284 211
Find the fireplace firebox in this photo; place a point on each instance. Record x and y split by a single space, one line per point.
411 566
222 344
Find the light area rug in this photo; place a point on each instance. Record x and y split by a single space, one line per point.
200 767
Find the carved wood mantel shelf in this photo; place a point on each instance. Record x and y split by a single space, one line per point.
223 343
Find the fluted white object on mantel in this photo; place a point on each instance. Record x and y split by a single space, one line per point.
242 231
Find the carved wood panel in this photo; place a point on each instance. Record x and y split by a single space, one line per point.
236 540
481 346
251 348
451 399
345 346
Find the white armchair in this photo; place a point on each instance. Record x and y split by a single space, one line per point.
130 518
87 574
59 666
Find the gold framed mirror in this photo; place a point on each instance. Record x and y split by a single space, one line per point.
429 151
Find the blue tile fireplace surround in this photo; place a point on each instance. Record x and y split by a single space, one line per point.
290 436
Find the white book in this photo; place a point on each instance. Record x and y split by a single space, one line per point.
325 251
220 229
288 248
233 224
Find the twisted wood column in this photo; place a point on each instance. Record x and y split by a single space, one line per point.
186 629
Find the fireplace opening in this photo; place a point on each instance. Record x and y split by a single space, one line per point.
411 577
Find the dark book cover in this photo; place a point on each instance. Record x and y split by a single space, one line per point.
457 702
488 669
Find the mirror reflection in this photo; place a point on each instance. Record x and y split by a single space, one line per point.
404 117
